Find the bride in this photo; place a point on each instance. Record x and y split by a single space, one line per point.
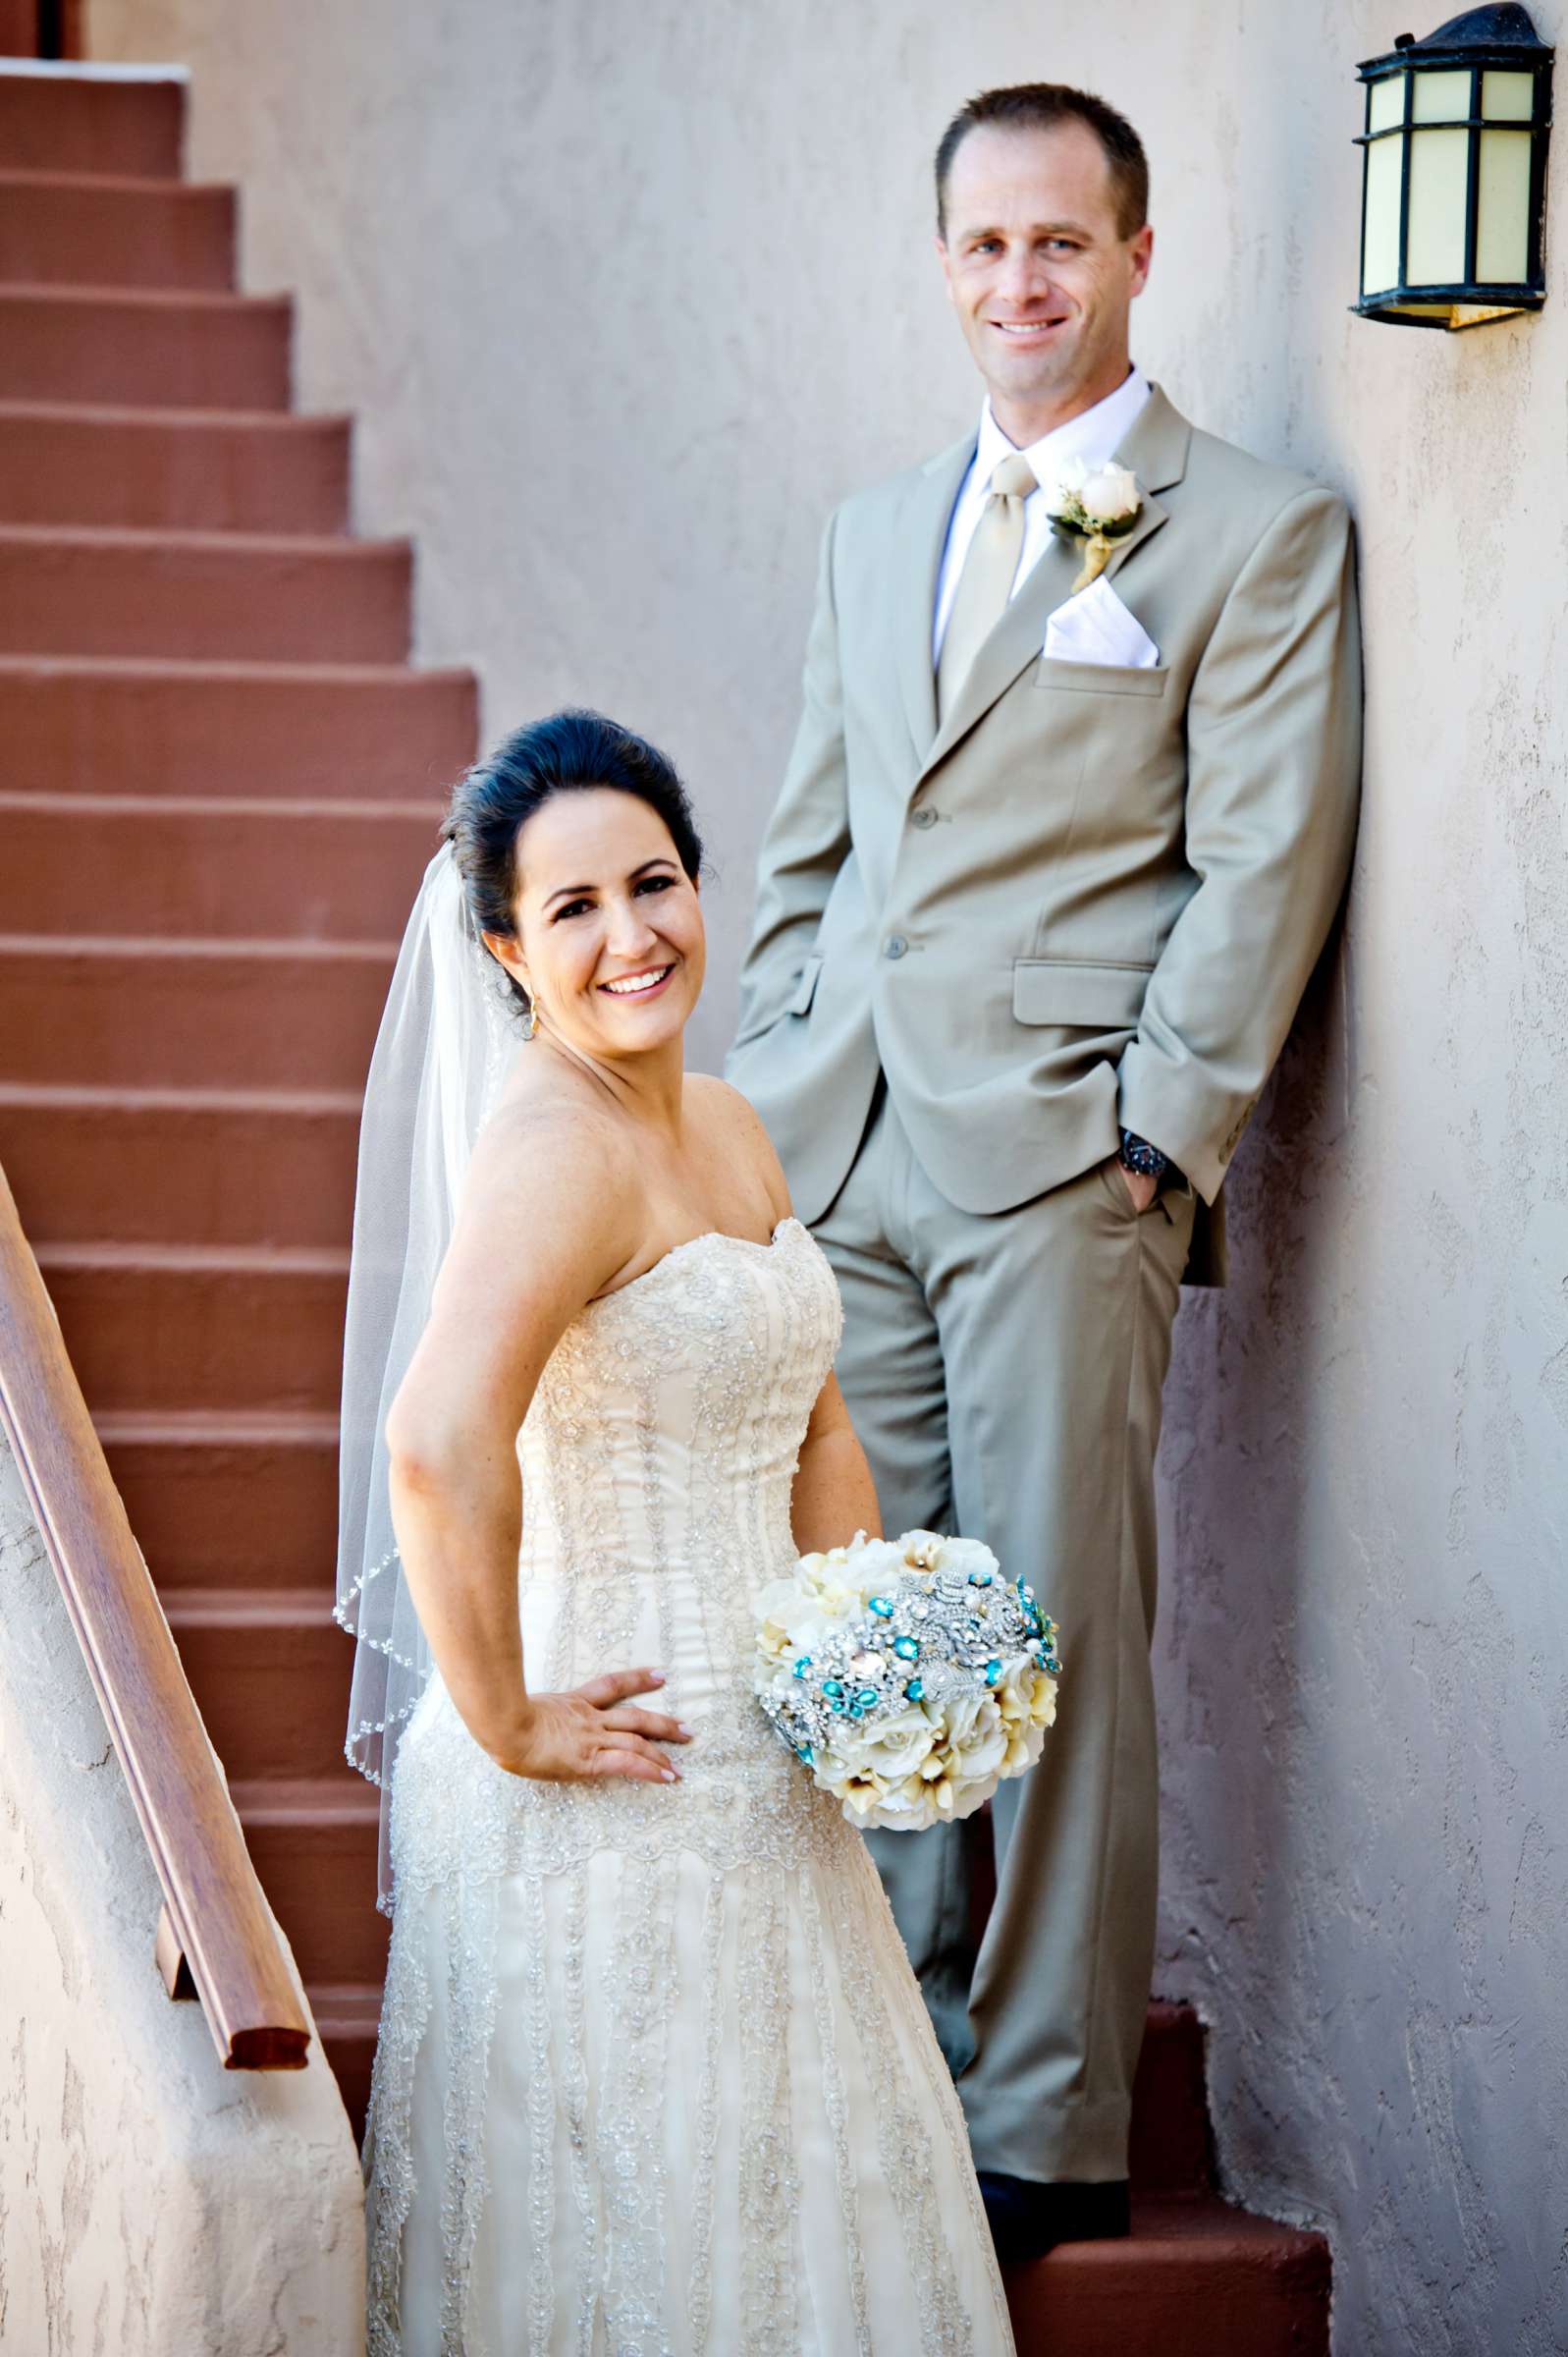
654 2074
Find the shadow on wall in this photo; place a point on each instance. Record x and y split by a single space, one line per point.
1242 1678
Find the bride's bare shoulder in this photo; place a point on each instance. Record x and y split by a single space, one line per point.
548 1217
554 1158
732 1126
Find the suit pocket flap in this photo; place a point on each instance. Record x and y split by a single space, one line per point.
1060 990
805 988
1100 679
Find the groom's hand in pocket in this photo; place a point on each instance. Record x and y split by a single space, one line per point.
594 1730
1140 1184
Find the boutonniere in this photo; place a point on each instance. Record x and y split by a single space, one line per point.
1098 506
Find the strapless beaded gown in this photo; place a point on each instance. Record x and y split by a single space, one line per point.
655 2078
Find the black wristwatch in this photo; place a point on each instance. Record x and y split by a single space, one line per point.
1137 1154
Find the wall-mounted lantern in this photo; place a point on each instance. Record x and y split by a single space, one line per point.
1454 173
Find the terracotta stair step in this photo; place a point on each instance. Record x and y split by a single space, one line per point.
340 871
159 1166
314 1844
200 1326
145 349
56 120
1171 2150
60 227
270 1674
204 470
297 731
1194 2278
127 1012
246 1498
205 595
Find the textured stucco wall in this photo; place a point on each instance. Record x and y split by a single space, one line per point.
626 294
152 2204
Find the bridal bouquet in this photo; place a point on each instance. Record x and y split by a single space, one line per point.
907 1675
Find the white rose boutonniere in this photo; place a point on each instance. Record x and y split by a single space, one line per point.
1098 505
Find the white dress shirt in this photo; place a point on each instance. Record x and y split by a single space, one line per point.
1094 435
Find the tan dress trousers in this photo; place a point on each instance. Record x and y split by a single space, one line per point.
1005 1372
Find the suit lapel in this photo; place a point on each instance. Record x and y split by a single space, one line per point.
1155 446
920 536
1156 450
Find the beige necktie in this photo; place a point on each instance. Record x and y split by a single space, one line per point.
986 582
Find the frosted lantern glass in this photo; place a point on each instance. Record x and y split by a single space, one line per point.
1441 98
1503 236
1380 252
1386 103
1507 98
1438 171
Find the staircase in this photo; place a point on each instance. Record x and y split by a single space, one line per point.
220 782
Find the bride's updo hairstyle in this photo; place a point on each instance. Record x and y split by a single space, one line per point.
575 751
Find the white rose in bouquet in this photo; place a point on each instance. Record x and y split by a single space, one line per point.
882 1769
780 1612
1025 1700
977 1739
897 1746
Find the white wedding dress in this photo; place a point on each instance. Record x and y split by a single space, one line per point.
654 2076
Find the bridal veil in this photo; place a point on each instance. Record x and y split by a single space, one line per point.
444 1047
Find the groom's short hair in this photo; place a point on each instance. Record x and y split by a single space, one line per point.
1043 106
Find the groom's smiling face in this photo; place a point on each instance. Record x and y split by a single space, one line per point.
1039 270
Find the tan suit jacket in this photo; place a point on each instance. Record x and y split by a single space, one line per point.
1093 894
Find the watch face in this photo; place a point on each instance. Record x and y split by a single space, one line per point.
1138 1155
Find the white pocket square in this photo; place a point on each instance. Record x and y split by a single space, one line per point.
1095 627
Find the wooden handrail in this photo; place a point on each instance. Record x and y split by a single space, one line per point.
218 1921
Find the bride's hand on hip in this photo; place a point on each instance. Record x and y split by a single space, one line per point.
594 1730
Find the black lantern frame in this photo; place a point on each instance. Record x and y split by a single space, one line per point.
1493 39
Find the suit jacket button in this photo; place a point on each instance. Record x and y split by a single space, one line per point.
923 818
896 945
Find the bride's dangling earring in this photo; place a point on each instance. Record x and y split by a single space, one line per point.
531 1021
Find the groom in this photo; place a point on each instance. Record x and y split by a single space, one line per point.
1050 869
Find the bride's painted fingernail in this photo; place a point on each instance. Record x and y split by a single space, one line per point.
669 1776
684 1729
